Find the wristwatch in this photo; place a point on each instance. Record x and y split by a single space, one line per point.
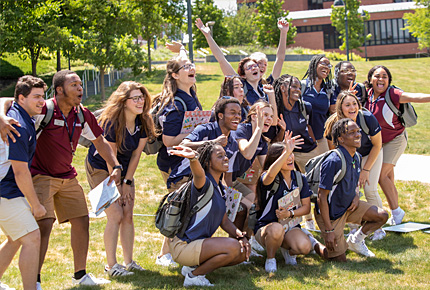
117 167
127 181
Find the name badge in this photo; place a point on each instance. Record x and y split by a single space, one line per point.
59 122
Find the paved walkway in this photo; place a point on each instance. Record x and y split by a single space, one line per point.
413 167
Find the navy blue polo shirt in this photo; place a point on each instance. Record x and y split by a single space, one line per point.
172 118
269 80
252 96
22 150
241 165
320 108
211 131
205 222
269 205
297 123
341 194
130 143
337 91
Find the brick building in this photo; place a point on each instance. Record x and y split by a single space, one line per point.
389 39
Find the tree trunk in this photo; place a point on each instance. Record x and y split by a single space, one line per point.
149 53
102 83
58 60
34 55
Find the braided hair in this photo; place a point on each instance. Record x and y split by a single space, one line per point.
205 152
339 128
312 72
285 79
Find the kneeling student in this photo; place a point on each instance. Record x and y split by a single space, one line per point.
197 250
341 203
270 231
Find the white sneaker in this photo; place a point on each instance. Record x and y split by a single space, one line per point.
196 281
5 287
352 231
117 270
133 266
270 265
166 261
379 234
255 245
289 260
359 248
310 225
396 219
90 280
38 286
255 254
186 270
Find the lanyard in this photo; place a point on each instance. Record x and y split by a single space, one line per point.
68 131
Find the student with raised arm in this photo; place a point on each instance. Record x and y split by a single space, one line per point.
340 204
269 232
394 135
197 250
348 106
127 124
19 204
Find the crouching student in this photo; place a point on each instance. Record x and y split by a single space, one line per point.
197 250
341 204
269 232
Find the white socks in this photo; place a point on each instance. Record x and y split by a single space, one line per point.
358 237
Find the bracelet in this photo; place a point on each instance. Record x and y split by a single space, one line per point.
196 156
117 167
328 232
366 170
292 213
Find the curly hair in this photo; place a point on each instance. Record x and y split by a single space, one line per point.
113 115
368 83
339 128
339 113
241 68
222 103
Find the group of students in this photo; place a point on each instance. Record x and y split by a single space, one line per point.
261 135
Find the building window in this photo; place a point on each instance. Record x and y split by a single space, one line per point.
388 31
315 4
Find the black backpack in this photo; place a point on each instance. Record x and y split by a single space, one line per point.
175 211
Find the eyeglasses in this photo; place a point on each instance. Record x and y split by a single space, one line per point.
187 66
327 65
348 70
136 99
252 66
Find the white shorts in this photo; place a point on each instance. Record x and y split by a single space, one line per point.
16 219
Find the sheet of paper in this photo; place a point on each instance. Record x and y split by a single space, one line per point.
232 201
407 227
194 118
102 196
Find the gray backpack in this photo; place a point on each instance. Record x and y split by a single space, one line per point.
406 112
313 171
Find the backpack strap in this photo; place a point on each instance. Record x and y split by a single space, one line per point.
81 115
363 123
245 90
48 116
198 206
343 167
275 186
303 85
182 102
302 109
299 179
390 103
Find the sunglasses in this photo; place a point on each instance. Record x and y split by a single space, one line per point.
325 64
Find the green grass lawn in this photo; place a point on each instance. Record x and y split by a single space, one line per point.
401 260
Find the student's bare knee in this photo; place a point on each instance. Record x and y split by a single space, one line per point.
274 231
31 239
45 226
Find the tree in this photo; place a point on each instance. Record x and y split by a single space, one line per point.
418 23
238 25
154 16
269 11
207 11
355 24
29 26
105 37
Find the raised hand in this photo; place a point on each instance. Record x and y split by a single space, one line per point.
268 89
281 123
182 151
204 29
174 47
283 24
352 87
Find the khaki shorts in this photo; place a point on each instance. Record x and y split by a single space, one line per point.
62 198
94 176
252 174
173 186
354 217
239 186
395 148
301 158
186 254
16 219
322 146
